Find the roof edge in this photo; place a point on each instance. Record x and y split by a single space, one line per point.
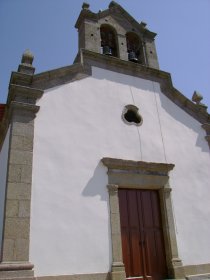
59 76
113 7
82 69
163 78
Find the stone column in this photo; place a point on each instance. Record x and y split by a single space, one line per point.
122 46
150 52
118 269
174 262
16 232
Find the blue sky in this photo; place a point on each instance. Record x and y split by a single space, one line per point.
46 27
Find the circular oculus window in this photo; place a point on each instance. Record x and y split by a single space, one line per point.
130 115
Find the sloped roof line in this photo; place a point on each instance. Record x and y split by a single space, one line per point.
59 76
87 59
131 19
113 7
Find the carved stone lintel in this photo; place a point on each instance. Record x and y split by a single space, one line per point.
121 164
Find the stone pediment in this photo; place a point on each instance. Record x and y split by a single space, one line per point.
87 59
115 13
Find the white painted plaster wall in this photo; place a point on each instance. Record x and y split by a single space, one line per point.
80 123
186 147
3 176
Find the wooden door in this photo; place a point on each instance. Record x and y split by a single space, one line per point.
142 236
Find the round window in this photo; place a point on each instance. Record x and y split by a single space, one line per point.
131 115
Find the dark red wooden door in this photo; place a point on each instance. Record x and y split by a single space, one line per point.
142 237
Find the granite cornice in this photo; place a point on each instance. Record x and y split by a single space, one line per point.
163 78
60 76
120 11
22 98
121 164
115 10
103 14
183 102
122 66
82 69
149 34
22 93
85 14
21 78
23 107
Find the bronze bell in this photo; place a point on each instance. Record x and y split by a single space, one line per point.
107 50
132 56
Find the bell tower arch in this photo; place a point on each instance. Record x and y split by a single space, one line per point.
109 42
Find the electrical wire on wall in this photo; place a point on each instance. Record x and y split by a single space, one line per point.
137 127
158 114
164 149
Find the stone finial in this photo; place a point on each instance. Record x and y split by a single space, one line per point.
26 63
112 4
197 97
85 6
143 24
27 57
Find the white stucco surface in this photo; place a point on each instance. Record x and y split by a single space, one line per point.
80 123
3 175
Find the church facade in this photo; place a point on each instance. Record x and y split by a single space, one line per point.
104 165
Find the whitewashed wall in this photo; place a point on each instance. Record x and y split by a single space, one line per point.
78 124
3 176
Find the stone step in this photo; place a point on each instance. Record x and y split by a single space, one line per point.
19 278
23 275
205 276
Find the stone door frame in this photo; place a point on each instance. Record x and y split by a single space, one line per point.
141 175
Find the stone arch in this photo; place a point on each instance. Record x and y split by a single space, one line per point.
135 48
109 42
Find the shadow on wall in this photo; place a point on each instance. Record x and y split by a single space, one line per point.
184 118
169 106
121 78
97 185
